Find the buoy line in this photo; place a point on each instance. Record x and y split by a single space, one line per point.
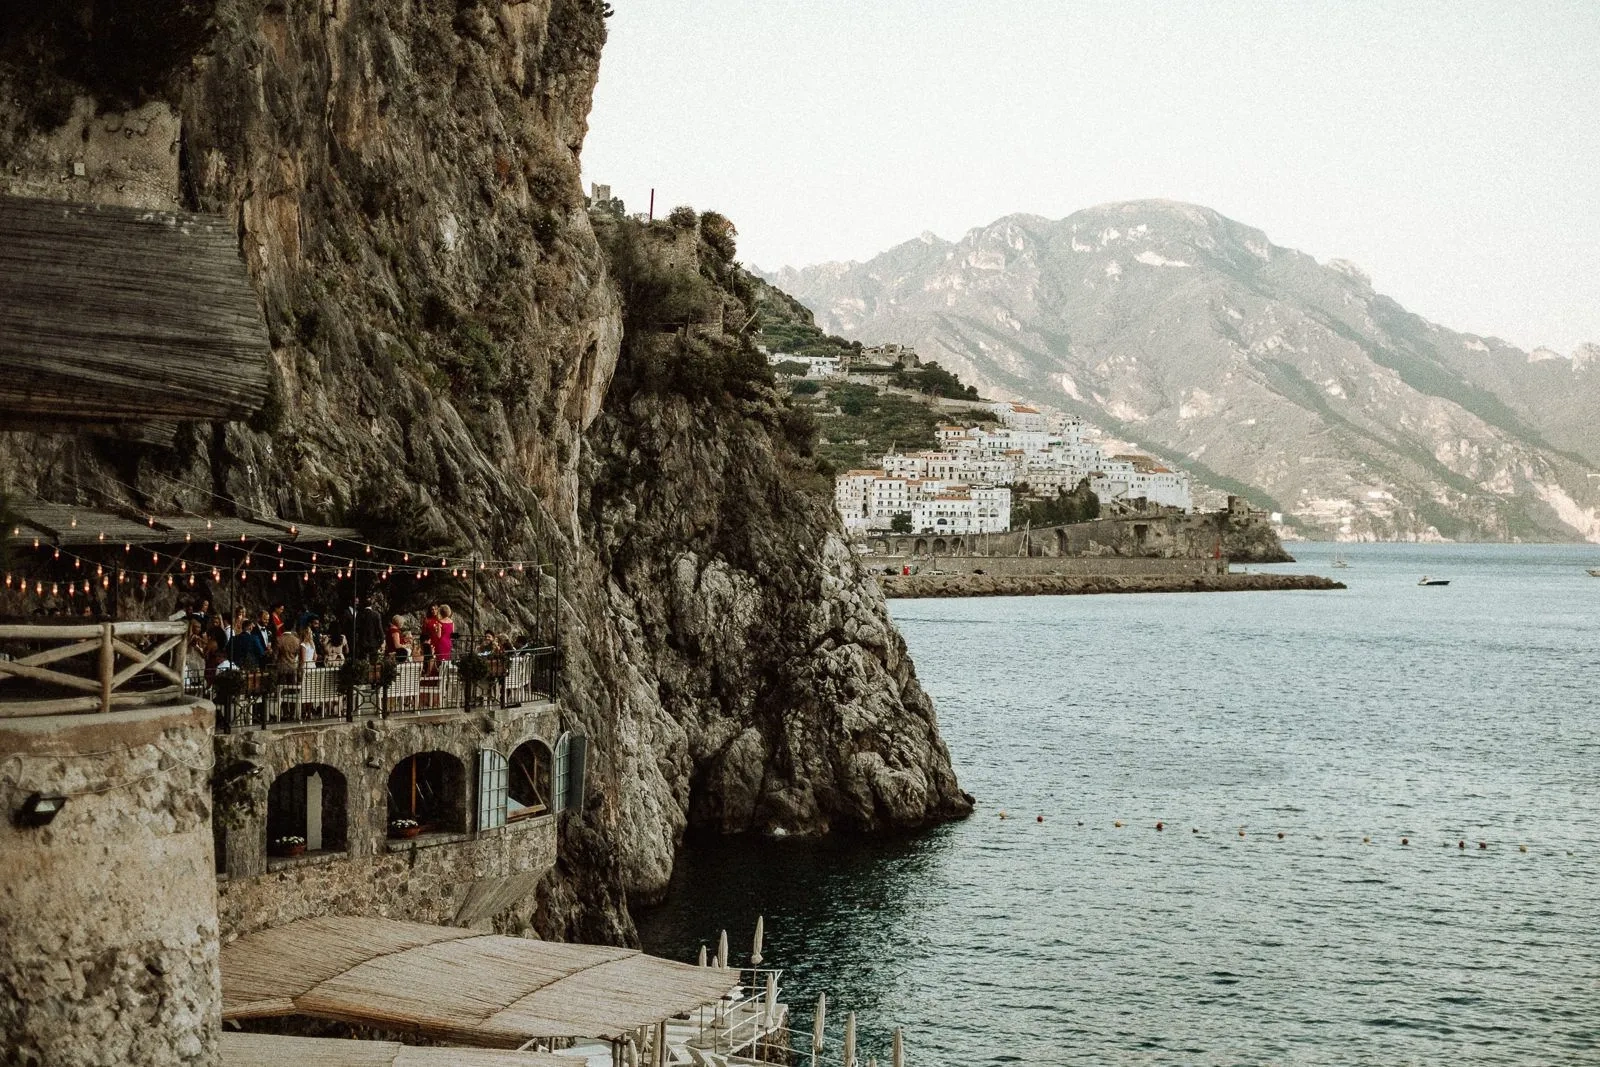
1404 840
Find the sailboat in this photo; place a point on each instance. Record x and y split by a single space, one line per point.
1339 560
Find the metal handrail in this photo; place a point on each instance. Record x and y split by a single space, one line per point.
272 697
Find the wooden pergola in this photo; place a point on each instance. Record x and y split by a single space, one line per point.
273 1050
458 985
113 317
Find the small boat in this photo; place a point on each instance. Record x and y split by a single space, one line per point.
1339 560
1594 572
1425 580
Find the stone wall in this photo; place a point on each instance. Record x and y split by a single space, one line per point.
1236 534
108 922
458 876
1082 566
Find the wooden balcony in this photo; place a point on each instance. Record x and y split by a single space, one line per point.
49 669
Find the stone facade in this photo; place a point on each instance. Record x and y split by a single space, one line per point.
456 873
108 923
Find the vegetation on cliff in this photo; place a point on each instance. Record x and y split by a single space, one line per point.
462 363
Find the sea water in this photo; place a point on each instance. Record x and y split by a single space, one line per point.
1287 743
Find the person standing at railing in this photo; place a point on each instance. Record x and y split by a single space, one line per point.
444 641
367 636
398 643
245 649
430 639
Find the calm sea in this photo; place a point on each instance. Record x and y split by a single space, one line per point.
1342 721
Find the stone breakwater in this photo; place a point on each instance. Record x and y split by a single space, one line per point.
952 585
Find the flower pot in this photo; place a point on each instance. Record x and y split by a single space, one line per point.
290 850
406 831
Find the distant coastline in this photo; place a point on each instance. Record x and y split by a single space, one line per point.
911 586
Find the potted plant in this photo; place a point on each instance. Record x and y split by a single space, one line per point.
404 828
288 845
474 673
227 686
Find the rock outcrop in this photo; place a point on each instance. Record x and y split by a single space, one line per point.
446 337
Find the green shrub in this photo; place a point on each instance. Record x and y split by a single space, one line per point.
806 387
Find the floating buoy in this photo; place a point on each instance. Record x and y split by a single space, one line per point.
1405 840
1002 814
1280 835
1194 829
1241 831
1080 822
1461 844
1366 840
1161 826
1522 848
1483 844
1039 818
1117 823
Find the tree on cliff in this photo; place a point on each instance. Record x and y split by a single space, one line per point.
1080 505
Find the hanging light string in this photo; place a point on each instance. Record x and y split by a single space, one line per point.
175 569
367 547
420 563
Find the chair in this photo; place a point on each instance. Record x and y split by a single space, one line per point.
405 692
319 691
519 676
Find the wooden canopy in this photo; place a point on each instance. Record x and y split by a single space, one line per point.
113 315
73 525
455 984
272 1050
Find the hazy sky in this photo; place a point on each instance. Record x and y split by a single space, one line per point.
1450 149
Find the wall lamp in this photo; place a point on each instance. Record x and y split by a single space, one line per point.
39 809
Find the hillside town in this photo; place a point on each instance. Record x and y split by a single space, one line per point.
967 484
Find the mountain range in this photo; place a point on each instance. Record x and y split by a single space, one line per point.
1255 367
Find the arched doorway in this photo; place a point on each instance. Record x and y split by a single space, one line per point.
307 809
532 784
938 546
430 790
922 546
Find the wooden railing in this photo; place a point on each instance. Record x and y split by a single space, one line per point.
103 684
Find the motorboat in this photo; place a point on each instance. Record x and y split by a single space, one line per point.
1340 562
1594 572
1425 580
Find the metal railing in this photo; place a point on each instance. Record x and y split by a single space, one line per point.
267 697
41 662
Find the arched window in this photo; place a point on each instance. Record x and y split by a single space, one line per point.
531 789
428 789
306 811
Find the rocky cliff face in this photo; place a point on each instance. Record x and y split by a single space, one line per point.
404 181
1259 369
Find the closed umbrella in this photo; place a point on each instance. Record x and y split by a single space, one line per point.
772 999
702 955
899 1047
755 953
722 949
816 1027
850 1040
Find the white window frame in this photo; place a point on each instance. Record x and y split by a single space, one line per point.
494 789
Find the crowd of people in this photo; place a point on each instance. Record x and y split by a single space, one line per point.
291 643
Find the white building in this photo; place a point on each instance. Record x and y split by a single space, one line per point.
963 510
